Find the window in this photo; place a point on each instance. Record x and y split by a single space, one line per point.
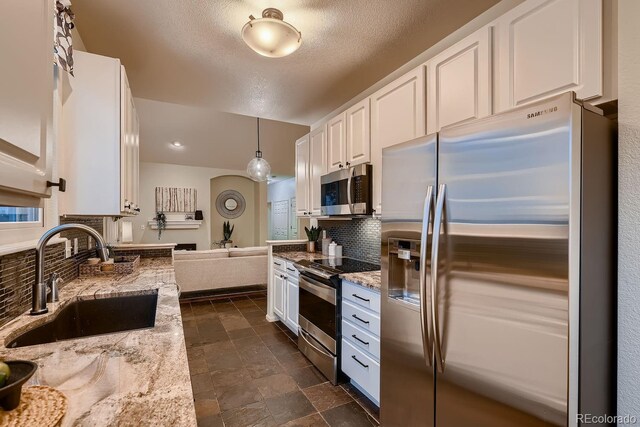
20 215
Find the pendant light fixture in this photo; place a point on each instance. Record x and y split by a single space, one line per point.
271 36
258 168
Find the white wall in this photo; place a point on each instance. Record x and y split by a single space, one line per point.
154 175
281 190
629 208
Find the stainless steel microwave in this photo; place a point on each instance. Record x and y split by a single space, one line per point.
348 191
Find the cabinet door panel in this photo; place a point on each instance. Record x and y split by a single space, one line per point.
26 100
302 175
547 47
317 162
397 115
459 82
358 133
336 143
279 293
292 305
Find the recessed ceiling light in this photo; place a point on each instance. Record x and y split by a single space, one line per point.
177 144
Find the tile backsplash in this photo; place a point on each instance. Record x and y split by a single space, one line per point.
17 270
359 237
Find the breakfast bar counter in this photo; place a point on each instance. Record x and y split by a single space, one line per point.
137 377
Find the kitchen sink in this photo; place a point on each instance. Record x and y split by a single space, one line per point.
90 317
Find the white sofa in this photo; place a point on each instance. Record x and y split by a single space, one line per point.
214 269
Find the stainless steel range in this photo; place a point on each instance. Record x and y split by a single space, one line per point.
319 310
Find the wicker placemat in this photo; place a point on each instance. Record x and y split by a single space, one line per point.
40 406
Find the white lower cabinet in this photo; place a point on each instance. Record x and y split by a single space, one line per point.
360 358
285 293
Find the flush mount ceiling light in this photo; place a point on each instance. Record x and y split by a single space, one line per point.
177 144
258 168
270 35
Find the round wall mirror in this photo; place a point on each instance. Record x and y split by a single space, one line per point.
230 204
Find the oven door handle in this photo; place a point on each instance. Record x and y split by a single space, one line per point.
305 336
318 289
349 185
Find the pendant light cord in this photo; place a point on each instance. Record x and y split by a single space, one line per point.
258 121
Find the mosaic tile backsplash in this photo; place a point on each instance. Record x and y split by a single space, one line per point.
17 270
359 237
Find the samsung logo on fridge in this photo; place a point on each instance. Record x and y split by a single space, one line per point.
542 112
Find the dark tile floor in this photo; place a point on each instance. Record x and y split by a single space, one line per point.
246 371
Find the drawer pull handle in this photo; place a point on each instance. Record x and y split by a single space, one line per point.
360 298
290 269
361 364
356 337
362 320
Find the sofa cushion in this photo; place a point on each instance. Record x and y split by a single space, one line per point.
208 254
249 251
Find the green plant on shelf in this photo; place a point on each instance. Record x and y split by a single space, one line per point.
227 231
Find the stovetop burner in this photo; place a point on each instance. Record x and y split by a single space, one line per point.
330 267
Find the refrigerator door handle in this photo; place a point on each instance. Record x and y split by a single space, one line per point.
424 326
437 225
349 188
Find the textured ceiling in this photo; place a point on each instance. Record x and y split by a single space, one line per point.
190 51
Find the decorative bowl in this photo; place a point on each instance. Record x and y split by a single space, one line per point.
21 371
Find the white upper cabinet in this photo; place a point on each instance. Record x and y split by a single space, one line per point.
546 47
26 101
99 153
358 144
317 162
302 176
397 115
337 143
459 82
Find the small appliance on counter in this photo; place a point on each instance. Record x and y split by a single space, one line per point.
347 192
319 314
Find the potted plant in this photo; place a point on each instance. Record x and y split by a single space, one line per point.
312 234
161 222
227 231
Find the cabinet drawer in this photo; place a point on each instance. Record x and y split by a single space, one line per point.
361 368
360 296
279 264
365 319
291 270
361 339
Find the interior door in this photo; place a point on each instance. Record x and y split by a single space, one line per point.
280 220
502 282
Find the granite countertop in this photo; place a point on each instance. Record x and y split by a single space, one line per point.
368 279
294 256
138 377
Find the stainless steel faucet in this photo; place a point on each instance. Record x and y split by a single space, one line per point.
39 290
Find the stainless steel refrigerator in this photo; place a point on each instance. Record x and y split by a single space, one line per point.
498 271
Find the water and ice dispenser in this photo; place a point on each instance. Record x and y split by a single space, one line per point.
404 270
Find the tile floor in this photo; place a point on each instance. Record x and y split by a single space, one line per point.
246 371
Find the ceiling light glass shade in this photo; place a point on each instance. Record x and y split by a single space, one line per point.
270 36
258 168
